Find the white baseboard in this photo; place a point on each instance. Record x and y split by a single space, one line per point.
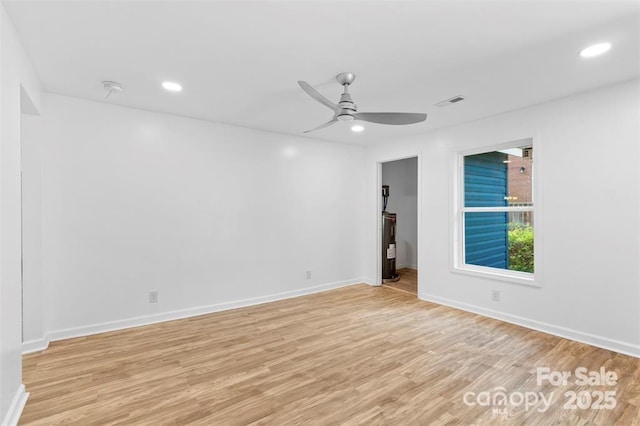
16 407
594 340
566 333
415 267
68 333
36 345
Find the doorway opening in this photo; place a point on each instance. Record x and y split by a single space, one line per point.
398 235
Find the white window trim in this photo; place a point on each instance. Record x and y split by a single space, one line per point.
515 277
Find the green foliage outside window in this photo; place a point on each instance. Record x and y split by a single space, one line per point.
521 247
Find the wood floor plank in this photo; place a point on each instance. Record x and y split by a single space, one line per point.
356 355
408 281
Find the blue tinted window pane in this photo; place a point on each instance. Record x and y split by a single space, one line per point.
495 179
486 239
485 180
499 240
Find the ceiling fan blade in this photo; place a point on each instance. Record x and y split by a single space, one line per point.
394 118
317 96
327 124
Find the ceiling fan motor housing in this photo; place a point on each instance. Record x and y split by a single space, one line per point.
347 108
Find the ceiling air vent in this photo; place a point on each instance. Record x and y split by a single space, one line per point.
450 101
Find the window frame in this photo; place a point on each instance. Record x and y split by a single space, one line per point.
459 210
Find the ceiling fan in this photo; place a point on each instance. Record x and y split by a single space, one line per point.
346 110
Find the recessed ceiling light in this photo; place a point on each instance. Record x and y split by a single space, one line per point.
595 50
171 86
357 128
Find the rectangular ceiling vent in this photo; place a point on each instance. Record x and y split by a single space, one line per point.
450 101
527 153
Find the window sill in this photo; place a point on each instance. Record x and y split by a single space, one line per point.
515 277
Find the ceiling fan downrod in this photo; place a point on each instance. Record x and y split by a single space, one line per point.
347 107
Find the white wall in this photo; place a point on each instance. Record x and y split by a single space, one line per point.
33 305
402 178
209 215
587 156
19 83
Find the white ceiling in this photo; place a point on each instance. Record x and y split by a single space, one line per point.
239 61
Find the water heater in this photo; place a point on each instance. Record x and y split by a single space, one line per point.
388 241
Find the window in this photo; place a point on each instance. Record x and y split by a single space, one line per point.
496 212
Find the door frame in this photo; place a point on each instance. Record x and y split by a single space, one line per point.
378 221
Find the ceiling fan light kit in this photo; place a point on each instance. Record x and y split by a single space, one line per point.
346 109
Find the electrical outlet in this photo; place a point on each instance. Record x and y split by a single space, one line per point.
495 295
153 296
308 275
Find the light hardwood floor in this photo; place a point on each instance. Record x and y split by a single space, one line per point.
408 281
356 355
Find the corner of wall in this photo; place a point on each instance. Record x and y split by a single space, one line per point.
32 346
17 78
16 407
